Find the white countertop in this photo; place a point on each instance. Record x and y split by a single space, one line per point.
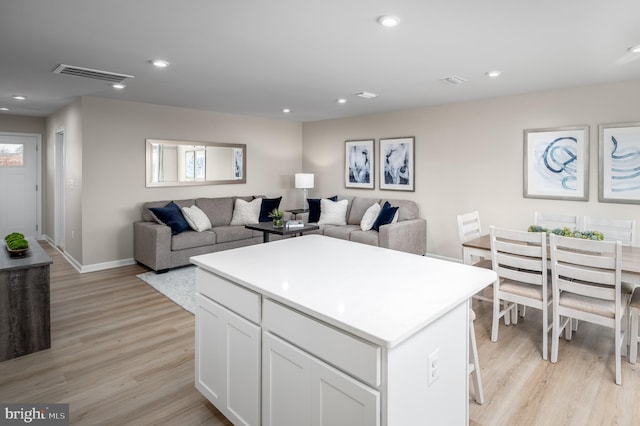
381 295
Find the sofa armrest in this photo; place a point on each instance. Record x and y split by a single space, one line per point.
152 245
408 235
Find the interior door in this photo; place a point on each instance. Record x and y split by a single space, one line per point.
18 180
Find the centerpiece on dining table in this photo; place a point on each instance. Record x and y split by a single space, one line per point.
566 232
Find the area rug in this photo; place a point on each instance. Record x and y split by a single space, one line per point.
179 285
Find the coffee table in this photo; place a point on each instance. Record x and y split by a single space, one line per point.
267 228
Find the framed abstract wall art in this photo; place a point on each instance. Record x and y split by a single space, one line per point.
619 163
359 164
556 163
397 164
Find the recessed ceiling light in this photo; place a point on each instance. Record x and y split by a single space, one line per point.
635 49
286 110
160 63
493 74
118 86
19 97
342 101
4 109
388 20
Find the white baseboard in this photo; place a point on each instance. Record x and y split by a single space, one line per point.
107 265
89 268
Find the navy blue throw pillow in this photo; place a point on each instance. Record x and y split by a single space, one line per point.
385 217
314 208
268 205
171 215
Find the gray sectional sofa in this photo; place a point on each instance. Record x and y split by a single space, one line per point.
157 248
408 234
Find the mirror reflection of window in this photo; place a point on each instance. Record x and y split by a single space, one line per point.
174 163
200 164
189 165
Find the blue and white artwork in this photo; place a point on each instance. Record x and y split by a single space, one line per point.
397 164
556 163
359 164
620 163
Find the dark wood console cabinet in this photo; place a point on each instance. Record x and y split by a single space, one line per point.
24 302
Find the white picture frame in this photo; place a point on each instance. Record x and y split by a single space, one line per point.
556 163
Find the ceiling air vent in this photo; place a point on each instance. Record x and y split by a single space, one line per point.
454 79
111 77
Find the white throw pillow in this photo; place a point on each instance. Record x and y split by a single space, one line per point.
369 217
246 212
196 218
333 212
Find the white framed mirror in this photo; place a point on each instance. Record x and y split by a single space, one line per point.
187 163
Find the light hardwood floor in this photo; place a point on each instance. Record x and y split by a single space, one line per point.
123 354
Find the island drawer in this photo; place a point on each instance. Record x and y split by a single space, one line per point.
245 303
355 356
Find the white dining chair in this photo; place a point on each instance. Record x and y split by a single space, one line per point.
634 314
585 277
520 260
613 229
469 228
474 360
552 221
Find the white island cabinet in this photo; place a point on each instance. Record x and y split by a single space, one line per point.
320 331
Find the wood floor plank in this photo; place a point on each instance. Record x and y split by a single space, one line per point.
122 353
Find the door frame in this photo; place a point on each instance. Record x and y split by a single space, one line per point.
39 191
59 167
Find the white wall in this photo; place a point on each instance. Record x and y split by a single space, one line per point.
469 156
68 120
107 163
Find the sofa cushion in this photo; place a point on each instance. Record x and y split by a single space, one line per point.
407 209
148 216
225 234
341 232
268 205
333 212
314 208
218 210
246 212
386 216
191 239
196 218
171 215
365 237
369 217
359 206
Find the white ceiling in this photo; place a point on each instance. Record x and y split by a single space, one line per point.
256 57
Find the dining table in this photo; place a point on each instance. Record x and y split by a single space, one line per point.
481 247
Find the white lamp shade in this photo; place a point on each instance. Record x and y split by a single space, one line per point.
304 180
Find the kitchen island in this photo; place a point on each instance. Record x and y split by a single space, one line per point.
317 330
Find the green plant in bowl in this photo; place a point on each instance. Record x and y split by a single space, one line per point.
278 218
16 242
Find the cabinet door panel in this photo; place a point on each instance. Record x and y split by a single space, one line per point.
339 400
286 384
211 373
228 362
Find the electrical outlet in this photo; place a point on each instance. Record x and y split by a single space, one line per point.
433 369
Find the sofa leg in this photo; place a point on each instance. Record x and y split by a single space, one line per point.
162 271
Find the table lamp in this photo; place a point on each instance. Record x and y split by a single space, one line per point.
304 181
